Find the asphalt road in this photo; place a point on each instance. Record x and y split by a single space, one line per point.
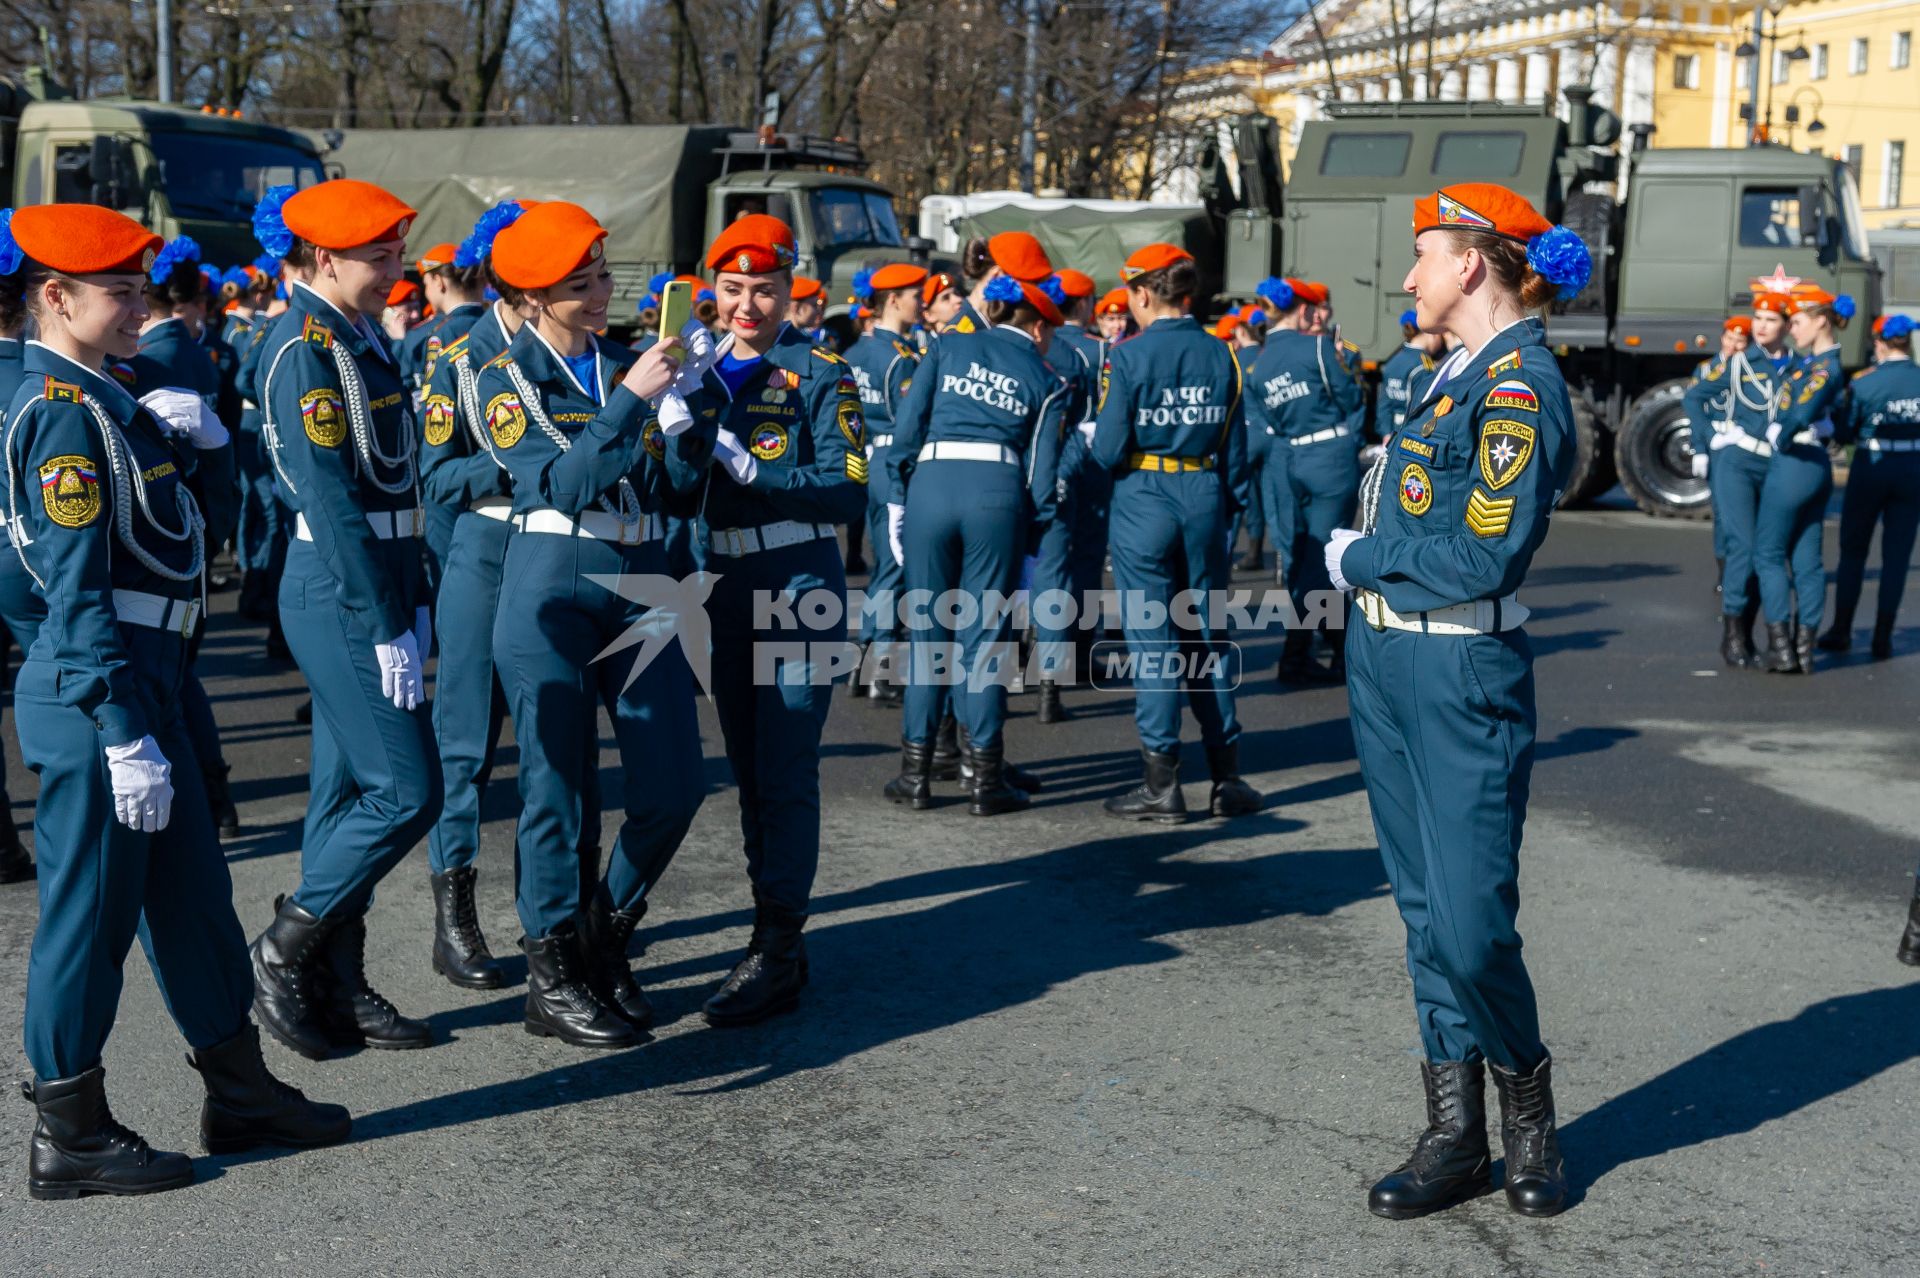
1052 1044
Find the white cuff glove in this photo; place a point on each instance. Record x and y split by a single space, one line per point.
1336 547
1773 435
423 632
701 351
1086 431
674 415
142 785
740 463
897 531
185 413
400 670
1371 453
1699 465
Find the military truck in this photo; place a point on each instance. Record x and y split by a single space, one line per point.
1676 235
177 170
663 191
1095 236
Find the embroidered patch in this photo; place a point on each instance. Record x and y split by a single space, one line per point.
1417 448
314 331
851 424
1454 213
61 392
1505 364
857 467
70 489
323 416
847 386
1505 449
1106 374
1814 384
439 414
506 420
963 325
1513 394
827 355
433 355
656 441
123 373
768 442
1416 489
1489 516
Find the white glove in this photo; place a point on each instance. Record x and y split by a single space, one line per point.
700 350
740 463
423 631
1336 547
1370 453
1086 431
1699 465
674 415
142 785
1773 435
400 670
897 531
185 413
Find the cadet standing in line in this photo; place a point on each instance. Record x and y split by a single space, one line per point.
1441 683
458 296
805 308
786 463
1170 429
260 534
1115 321
883 364
1075 356
1247 340
567 414
976 450
1405 376
105 526
1735 331
1307 401
943 301
1882 422
340 426
415 348
21 610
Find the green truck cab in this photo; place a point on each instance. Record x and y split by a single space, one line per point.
178 171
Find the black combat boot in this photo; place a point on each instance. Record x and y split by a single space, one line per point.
768 980
247 1106
286 980
946 749
605 934
1780 656
354 1012
560 1003
1839 636
220 799
1011 773
1052 710
78 1148
16 865
884 693
1158 797
1451 1161
460 951
1803 647
1297 667
1909 951
1536 1176
1256 556
1735 650
914 785
990 793
1231 797
1882 636
1748 616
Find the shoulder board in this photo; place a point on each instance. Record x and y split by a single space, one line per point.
1863 372
1506 363
827 355
314 331
906 350
62 392
1349 347
498 361
454 349
1427 363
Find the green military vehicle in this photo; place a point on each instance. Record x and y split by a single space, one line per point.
1672 257
177 170
663 191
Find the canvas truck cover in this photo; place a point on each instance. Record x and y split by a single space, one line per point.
1097 241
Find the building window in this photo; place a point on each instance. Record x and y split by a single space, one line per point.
1686 71
1857 57
1742 73
1781 64
1853 157
1818 68
1902 49
1893 174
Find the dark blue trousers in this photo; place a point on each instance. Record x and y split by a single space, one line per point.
1253 520
101 884
259 543
1323 485
880 620
1275 493
1880 487
469 703
1444 728
1049 595
1087 544
1735 478
21 611
1786 534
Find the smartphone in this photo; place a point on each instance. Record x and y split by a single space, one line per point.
676 308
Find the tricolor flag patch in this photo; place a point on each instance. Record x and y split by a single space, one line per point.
1454 213
1513 394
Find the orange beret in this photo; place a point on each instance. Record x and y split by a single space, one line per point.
436 257
401 291
1250 310
1479 206
863 313
346 213
1044 306
1807 297
1778 303
757 244
897 275
1307 291
1152 257
805 287
1076 283
1020 255
1224 326
547 243
1114 303
937 283
80 239
1739 324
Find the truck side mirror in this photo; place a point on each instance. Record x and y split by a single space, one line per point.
1814 230
110 171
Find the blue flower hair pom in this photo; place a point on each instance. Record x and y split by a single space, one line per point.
1560 257
269 228
10 253
1409 319
1056 291
1897 326
1004 288
705 295
238 277
863 284
479 243
175 252
1257 316
1845 307
268 265
1278 291
657 288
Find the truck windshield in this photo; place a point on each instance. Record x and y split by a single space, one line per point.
220 178
843 215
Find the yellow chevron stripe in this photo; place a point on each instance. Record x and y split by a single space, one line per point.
1487 516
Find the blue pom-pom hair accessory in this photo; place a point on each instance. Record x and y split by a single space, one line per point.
863 285
1897 326
176 251
478 245
1004 288
1277 291
1256 316
268 265
1409 318
1560 257
11 254
1055 290
1845 307
269 227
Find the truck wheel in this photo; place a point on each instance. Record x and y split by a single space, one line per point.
1654 455
1592 457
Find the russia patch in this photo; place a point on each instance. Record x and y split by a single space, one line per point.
1513 394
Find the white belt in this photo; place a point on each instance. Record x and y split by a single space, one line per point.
500 508
735 542
594 525
386 524
959 450
1891 445
156 612
1321 436
1480 617
1741 440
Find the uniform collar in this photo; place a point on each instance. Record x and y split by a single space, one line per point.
792 350
41 358
166 328
1013 333
537 358
1526 331
356 337
1170 322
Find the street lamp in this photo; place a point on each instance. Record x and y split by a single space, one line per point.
1817 125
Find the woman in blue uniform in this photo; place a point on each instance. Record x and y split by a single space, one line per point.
1405 375
1882 421
1170 429
260 537
567 414
353 598
976 451
1075 356
21 610
112 539
784 462
1793 501
1440 680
